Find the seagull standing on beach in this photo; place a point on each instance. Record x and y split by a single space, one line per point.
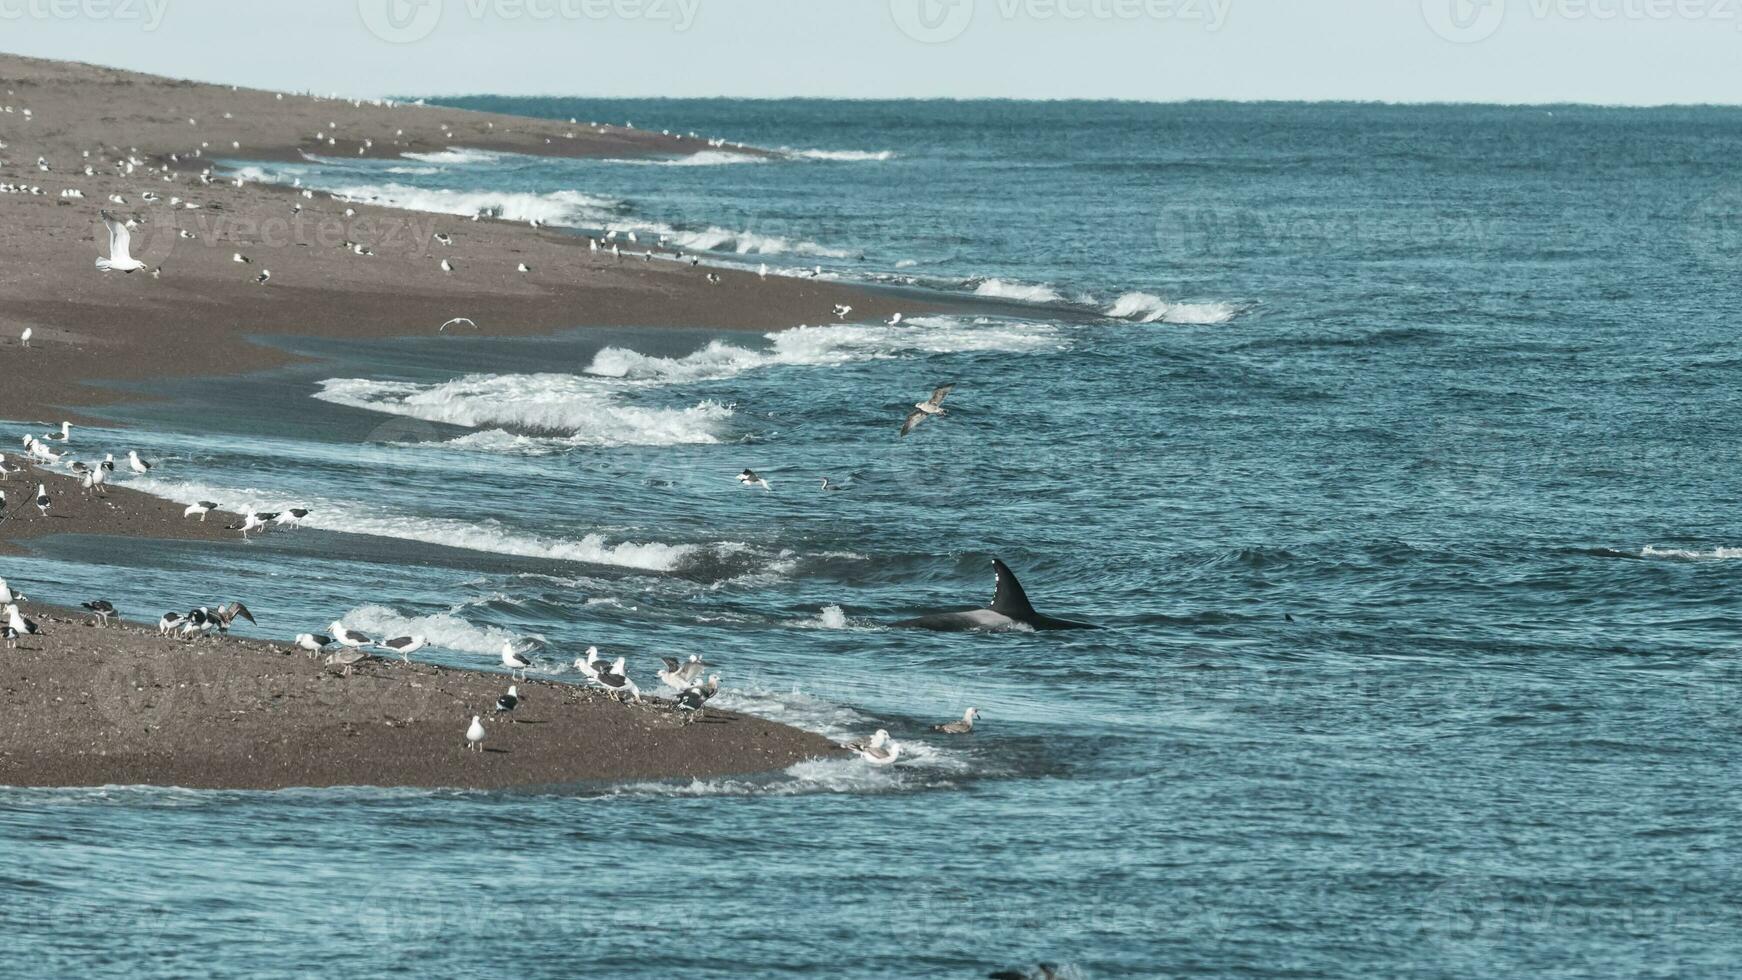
9 597
508 702
405 646
250 522
515 659
24 338
169 623
447 266
202 508
120 240
877 750
313 642
475 735
348 637
103 608
230 612
928 408
293 517
42 501
750 479
616 680
680 676
18 624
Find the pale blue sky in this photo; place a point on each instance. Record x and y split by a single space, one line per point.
1602 51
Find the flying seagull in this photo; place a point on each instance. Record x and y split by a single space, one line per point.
928 408
120 240
457 321
750 479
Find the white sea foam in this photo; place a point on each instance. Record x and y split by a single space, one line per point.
843 156
1713 554
1150 308
487 536
716 239
579 411
456 156
1021 292
828 345
444 631
569 208
706 158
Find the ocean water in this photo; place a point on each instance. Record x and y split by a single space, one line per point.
1395 447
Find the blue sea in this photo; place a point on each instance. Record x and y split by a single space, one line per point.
1395 448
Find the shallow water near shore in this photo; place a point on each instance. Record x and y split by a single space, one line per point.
1417 565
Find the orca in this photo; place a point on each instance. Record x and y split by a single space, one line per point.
1010 609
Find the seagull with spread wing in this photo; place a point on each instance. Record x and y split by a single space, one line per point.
120 240
927 409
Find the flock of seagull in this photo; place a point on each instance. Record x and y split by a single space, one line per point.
683 678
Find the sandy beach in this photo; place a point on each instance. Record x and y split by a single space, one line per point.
90 328
262 718
90 706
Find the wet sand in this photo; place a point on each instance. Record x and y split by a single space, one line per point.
88 706
84 706
195 320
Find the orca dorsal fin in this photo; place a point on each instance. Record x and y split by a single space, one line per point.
1009 599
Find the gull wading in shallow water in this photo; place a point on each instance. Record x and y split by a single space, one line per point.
120 240
928 408
877 750
962 727
137 465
